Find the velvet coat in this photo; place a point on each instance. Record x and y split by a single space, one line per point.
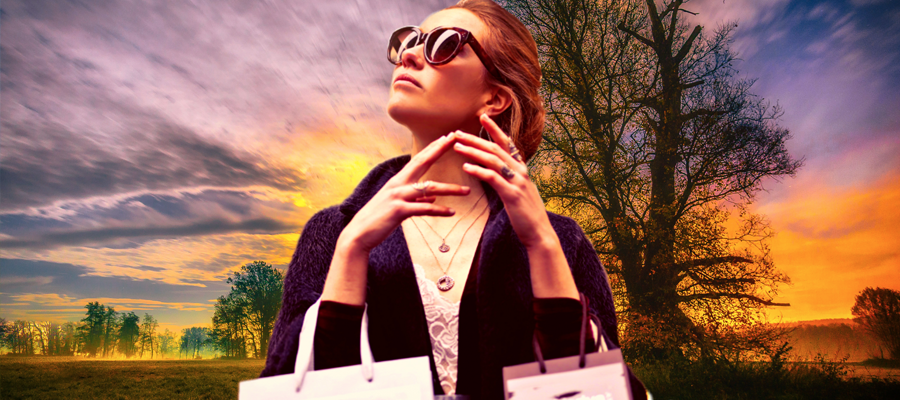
397 325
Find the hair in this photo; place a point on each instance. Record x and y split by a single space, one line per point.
513 51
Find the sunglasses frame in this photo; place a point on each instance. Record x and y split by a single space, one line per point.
466 37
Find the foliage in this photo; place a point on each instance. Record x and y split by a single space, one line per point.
653 144
193 341
129 334
148 334
680 378
878 312
244 319
166 344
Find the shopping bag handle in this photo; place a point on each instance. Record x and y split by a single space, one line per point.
305 360
585 317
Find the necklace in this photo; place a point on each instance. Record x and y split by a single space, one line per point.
444 247
445 282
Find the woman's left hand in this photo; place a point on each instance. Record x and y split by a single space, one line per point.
520 196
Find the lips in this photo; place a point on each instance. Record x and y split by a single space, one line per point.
408 78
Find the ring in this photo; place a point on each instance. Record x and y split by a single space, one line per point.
422 187
514 152
507 173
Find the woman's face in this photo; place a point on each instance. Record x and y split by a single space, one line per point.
448 96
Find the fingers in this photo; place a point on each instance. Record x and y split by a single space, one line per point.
425 158
417 209
409 192
494 130
489 155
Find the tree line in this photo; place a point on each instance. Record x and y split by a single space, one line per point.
240 328
103 332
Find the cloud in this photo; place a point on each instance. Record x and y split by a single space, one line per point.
45 164
32 289
833 242
131 221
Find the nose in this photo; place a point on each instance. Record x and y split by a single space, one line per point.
413 57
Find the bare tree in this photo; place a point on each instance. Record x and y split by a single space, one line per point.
652 143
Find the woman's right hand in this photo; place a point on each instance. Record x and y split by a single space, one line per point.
396 201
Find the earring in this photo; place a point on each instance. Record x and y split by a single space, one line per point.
486 135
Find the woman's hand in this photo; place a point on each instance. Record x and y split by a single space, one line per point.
523 202
550 273
396 201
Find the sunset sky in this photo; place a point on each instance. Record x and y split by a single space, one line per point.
147 149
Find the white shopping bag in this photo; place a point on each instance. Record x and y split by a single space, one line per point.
599 375
406 379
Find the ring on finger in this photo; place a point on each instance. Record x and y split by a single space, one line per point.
422 187
514 152
506 172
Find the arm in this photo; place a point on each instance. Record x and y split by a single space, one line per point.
302 287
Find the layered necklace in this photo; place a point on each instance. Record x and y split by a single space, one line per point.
445 282
444 247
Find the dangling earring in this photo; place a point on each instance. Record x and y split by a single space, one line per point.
486 135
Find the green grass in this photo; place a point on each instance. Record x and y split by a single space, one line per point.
75 378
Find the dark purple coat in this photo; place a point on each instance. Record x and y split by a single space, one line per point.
397 324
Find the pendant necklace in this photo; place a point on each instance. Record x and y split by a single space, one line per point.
445 282
444 247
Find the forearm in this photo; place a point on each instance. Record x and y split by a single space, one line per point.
550 273
346 279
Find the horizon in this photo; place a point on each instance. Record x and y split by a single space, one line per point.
151 151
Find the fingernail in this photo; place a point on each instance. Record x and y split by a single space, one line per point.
458 145
451 211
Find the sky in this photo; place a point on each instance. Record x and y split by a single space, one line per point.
148 149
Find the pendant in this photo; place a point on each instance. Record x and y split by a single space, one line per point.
443 247
445 283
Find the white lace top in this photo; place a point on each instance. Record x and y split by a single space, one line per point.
443 327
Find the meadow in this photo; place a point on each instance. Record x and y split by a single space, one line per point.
77 378
40 377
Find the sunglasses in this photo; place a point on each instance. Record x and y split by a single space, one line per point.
441 45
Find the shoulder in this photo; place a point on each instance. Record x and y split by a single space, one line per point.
570 234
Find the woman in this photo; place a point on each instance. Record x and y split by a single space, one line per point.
468 288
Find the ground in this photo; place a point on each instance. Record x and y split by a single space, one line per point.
77 378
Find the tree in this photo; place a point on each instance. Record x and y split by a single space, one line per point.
256 289
229 327
111 325
166 343
193 340
129 333
148 334
878 312
652 144
91 332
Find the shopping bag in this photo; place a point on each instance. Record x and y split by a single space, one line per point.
406 379
598 375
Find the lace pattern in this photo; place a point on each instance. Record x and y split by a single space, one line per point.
443 327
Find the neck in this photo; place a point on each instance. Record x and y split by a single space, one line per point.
448 169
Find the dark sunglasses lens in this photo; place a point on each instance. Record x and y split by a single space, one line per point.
400 41
442 45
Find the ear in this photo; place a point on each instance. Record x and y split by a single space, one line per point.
497 101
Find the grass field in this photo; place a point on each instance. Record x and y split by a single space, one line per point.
76 378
